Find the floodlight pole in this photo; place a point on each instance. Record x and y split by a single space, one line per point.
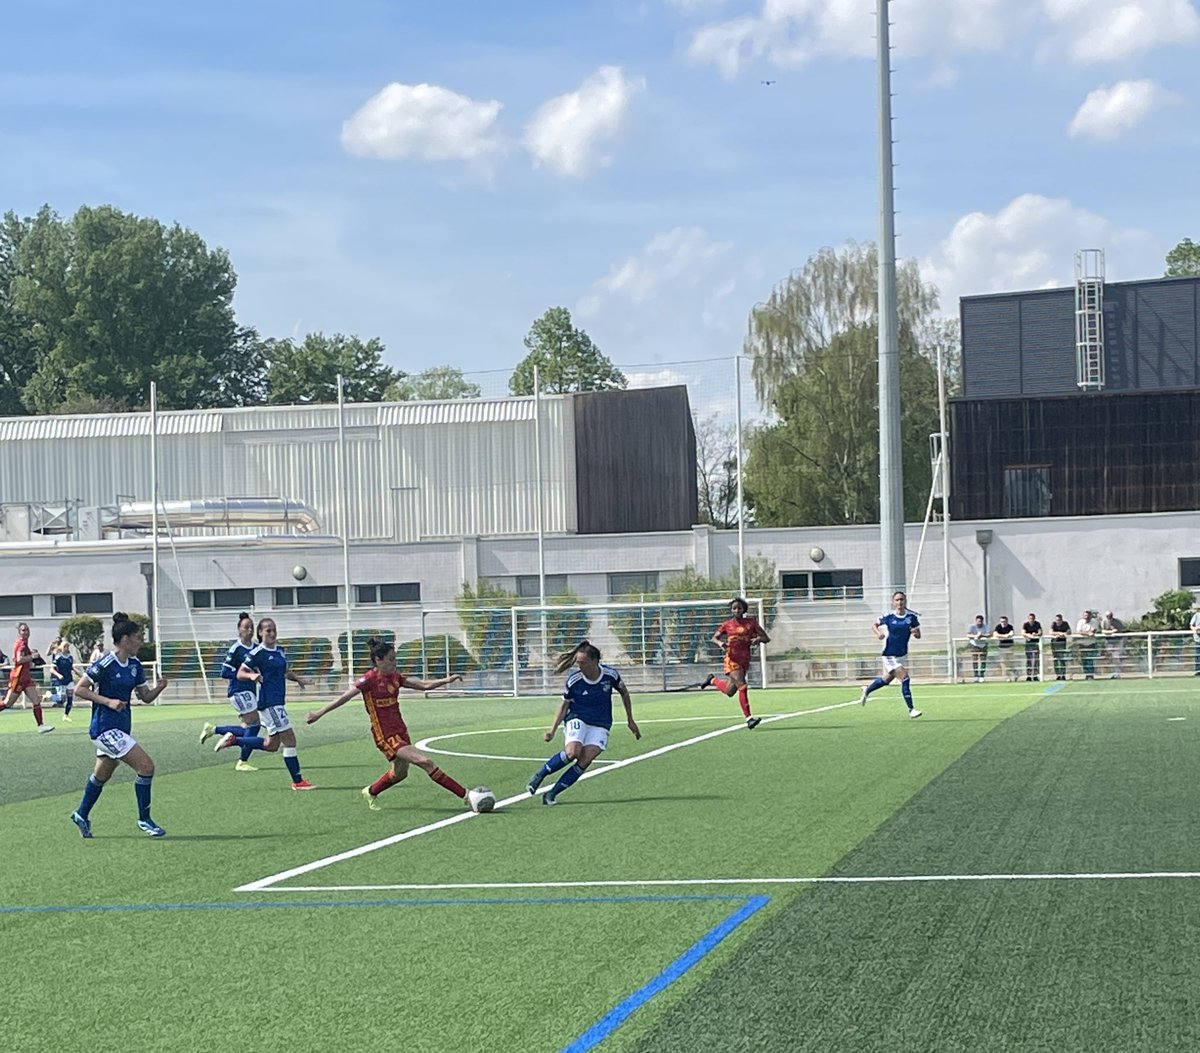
891 474
741 509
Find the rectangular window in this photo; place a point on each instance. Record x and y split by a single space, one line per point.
795 585
16 606
837 585
1026 490
366 593
201 599
317 596
631 585
93 603
1189 573
63 604
285 597
527 585
233 599
397 592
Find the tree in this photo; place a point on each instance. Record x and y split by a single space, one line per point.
18 351
716 471
307 373
819 465
113 301
82 632
565 357
1183 261
438 383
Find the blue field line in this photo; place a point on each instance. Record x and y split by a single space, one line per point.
124 908
612 1020
1055 687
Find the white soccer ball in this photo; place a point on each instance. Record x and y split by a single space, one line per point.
481 799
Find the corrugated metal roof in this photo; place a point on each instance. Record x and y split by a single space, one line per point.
107 426
461 411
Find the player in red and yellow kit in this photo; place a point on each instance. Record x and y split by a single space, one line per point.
736 636
380 691
20 679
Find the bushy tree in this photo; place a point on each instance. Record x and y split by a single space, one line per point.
438 383
565 357
1183 261
306 373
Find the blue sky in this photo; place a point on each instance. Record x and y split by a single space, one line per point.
438 174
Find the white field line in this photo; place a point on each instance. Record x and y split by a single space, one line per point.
263 884
893 879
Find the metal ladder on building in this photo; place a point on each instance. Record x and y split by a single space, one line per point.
1089 319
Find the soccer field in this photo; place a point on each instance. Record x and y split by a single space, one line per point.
1017 870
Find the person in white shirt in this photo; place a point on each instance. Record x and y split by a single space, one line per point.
1194 625
1086 631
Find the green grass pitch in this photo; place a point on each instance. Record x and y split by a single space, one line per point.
974 891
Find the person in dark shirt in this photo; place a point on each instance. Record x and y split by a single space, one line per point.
1003 633
1032 633
1060 636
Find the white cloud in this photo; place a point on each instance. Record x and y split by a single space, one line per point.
789 33
1031 244
422 121
1109 112
1106 30
567 132
680 257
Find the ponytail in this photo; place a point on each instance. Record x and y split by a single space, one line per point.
567 658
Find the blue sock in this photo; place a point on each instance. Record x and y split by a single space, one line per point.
91 794
568 779
906 691
292 762
229 729
247 738
559 760
68 705
876 684
141 787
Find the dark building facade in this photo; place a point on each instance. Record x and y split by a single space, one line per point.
1026 441
635 461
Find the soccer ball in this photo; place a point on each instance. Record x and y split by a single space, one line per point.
481 799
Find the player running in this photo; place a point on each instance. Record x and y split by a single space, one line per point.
736 636
895 628
585 713
109 685
243 699
20 678
266 665
62 678
380 691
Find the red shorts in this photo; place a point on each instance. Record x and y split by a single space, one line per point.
391 739
737 663
19 678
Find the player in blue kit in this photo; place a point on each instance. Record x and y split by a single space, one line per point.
267 665
62 678
241 697
110 684
895 629
585 713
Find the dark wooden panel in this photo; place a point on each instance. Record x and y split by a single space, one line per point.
635 461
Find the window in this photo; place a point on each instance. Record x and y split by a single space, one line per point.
285 597
82 603
307 596
1189 573
1026 490
527 585
402 592
635 583
225 599
821 584
20 606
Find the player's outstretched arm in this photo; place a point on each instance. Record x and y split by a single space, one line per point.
761 636
430 685
316 714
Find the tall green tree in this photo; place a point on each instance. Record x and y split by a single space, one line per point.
113 301
565 357
1183 261
438 383
18 351
307 372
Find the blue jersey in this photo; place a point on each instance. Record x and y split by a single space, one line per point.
591 700
114 680
273 664
899 627
234 658
64 666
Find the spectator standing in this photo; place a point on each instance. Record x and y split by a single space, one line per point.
1112 627
1031 631
1060 636
1194 625
977 642
1087 629
1003 633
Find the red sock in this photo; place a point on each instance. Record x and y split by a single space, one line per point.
388 778
37 715
744 700
442 779
721 684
